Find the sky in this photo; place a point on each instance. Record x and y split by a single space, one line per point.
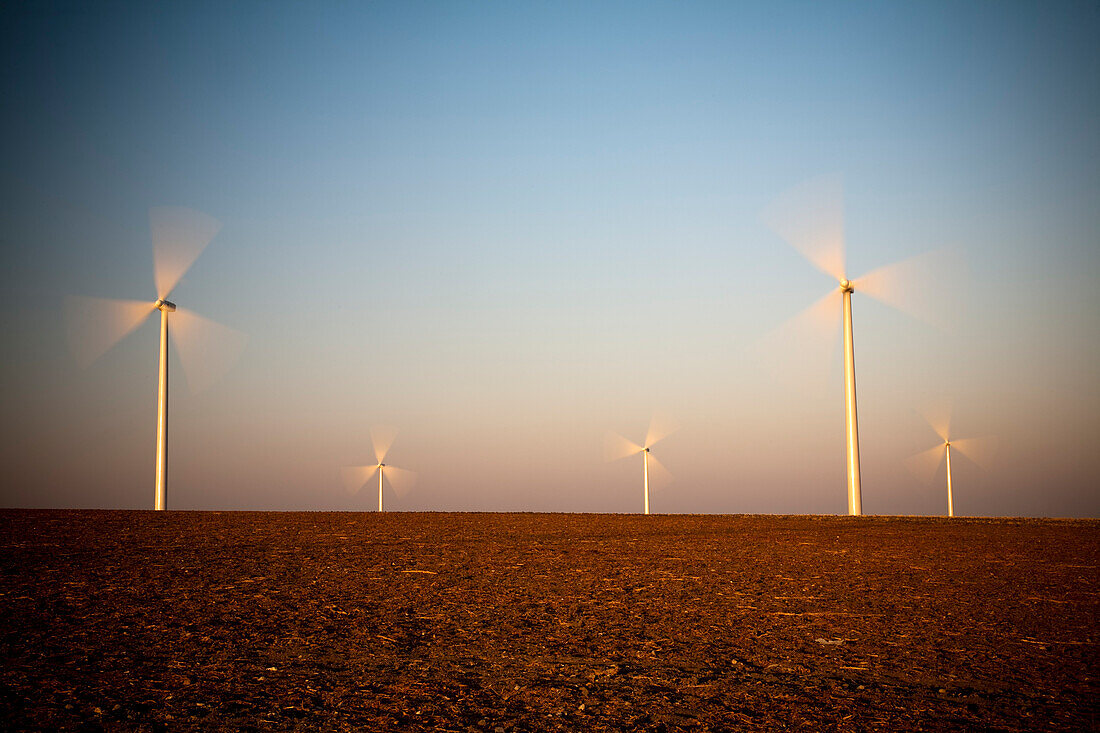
506 229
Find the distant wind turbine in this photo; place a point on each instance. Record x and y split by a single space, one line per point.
978 450
811 219
205 348
356 477
619 447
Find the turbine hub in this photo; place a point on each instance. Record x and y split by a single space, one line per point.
381 465
846 286
647 450
164 305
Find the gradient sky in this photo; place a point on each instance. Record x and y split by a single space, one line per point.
507 228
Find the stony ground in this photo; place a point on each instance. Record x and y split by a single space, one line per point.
545 622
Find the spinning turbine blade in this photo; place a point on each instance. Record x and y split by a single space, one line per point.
616 447
660 427
400 479
811 219
94 325
179 237
938 417
814 330
356 477
206 349
978 450
917 286
926 463
381 437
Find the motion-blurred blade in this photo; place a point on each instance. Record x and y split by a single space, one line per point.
925 464
979 450
356 477
616 447
402 480
381 437
925 287
659 476
179 237
206 349
94 325
660 427
811 219
813 333
938 417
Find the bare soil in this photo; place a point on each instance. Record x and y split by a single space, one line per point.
545 622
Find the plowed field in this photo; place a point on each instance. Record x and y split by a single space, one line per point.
545 622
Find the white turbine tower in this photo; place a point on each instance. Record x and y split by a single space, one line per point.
619 447
96 324
356 477
978 450
811 219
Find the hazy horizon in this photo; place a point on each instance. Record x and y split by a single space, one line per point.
507 229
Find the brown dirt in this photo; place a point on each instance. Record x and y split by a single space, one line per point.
542 622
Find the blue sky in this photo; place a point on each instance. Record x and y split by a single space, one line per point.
507 228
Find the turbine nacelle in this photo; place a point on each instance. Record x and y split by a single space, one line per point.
846 286
164 305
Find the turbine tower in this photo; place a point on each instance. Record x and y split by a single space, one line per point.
851 422
356 477
96 324
160 493
619 447
811 219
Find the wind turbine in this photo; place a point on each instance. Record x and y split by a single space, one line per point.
96 324
619 447
978 450
356 477
811 219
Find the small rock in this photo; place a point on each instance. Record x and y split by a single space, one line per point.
498 729
942 691
581 706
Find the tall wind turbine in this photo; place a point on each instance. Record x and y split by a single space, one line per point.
619 447
356 477
811 219
96 324
978 450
